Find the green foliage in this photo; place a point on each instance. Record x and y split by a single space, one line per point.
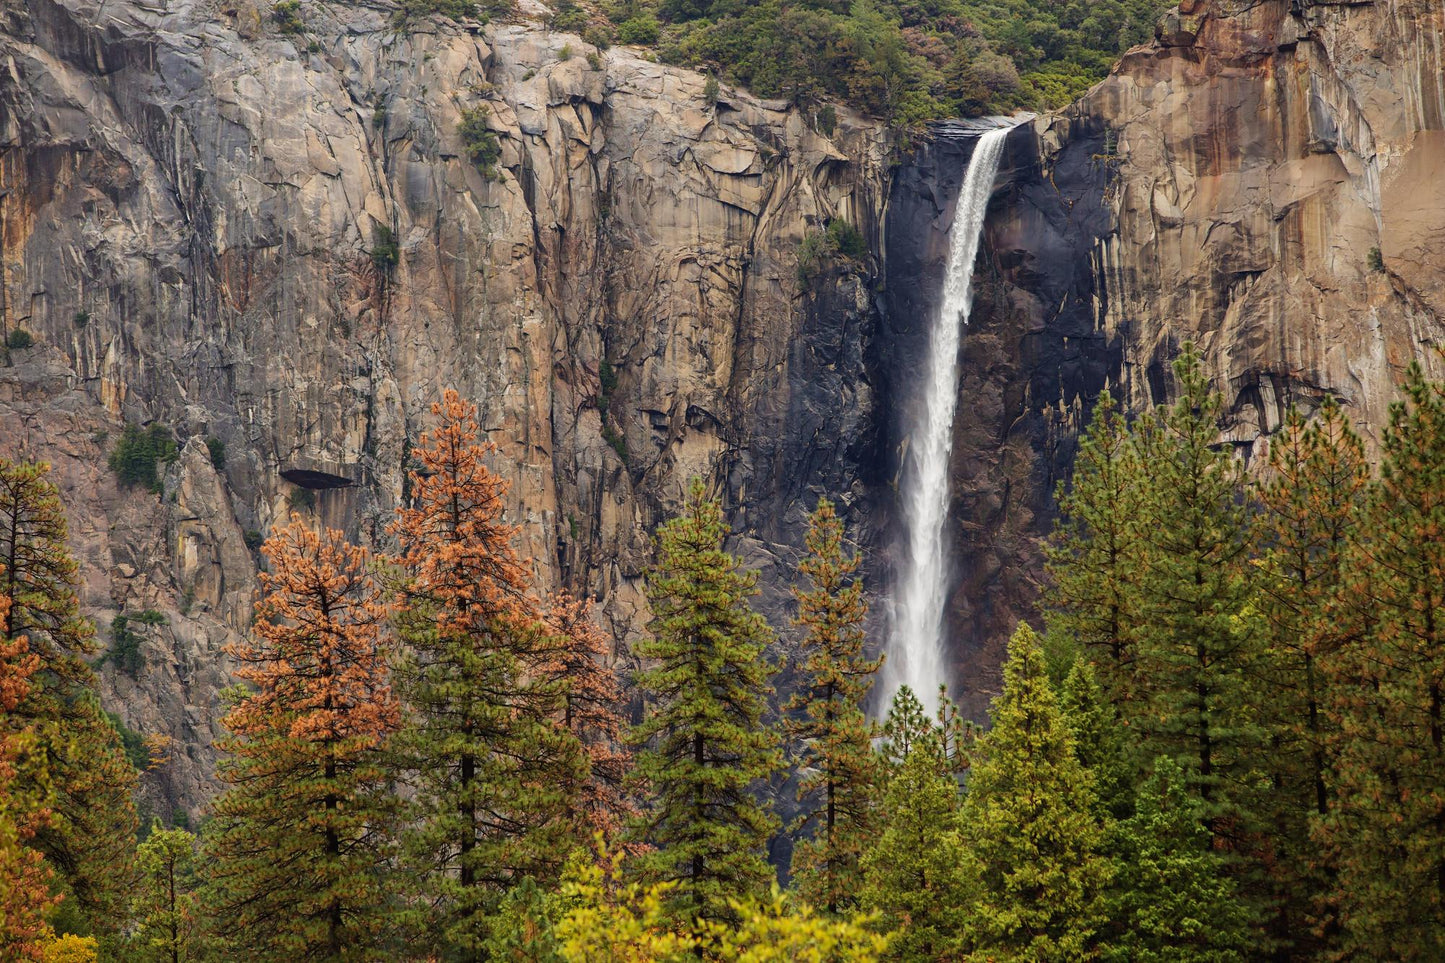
710 90
1030 821
565 53
132 742
19 339
482 147
840 241
125 651
1172 899
385 253
642 30
163 905
217 449
704 749
914 872
1374 259
138 455
839 774
1387 674
827 119
614 438
1199 644
567 17
287 16
451 9
598 35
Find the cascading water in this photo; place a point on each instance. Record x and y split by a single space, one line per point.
915 652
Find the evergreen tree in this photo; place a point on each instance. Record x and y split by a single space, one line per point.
90 836
1309 508
1388 827
907 729
1098 742
705 745
25 895
839 770
1171 898
1198 644
914 870
1030 825
495 776
1094 563
590 711
299 838
163 905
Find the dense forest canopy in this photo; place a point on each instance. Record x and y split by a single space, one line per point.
1226 745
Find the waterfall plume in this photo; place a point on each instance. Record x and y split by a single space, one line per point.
916 646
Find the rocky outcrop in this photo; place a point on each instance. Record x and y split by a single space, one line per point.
1265 180
195 209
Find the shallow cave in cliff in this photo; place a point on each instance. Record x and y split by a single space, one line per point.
314 479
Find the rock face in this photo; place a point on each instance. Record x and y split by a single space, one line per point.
195 210
1265 179
196 219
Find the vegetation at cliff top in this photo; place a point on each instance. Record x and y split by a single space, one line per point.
902 60
1227 745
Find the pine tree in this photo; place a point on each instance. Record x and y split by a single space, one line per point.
590 711
839 770
1198 642
705 747
163 906
90 836
1309 508
1388 690
1093 557
1098 742
25 895
914 869
495 775
1171 897
1030 825
906 729
299 837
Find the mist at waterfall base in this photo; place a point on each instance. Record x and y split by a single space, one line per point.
916 651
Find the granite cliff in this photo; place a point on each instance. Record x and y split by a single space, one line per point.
193 216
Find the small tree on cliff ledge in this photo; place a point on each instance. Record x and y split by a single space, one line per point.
298 843
705 744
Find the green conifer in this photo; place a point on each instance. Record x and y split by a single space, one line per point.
1093 556
1030 825
914 871
840 774
163 905
705 749
1198 640
1171 899
1388 827
1309 509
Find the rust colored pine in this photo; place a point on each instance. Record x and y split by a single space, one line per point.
301 839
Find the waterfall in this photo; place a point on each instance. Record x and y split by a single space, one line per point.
916 651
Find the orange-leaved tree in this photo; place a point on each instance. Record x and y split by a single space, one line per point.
24 878
300 838
591 710
494 776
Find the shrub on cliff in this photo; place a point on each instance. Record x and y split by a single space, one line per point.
139 453
480 142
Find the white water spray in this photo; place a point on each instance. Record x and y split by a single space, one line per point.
916 651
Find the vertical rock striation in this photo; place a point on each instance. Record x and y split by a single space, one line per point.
197 213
